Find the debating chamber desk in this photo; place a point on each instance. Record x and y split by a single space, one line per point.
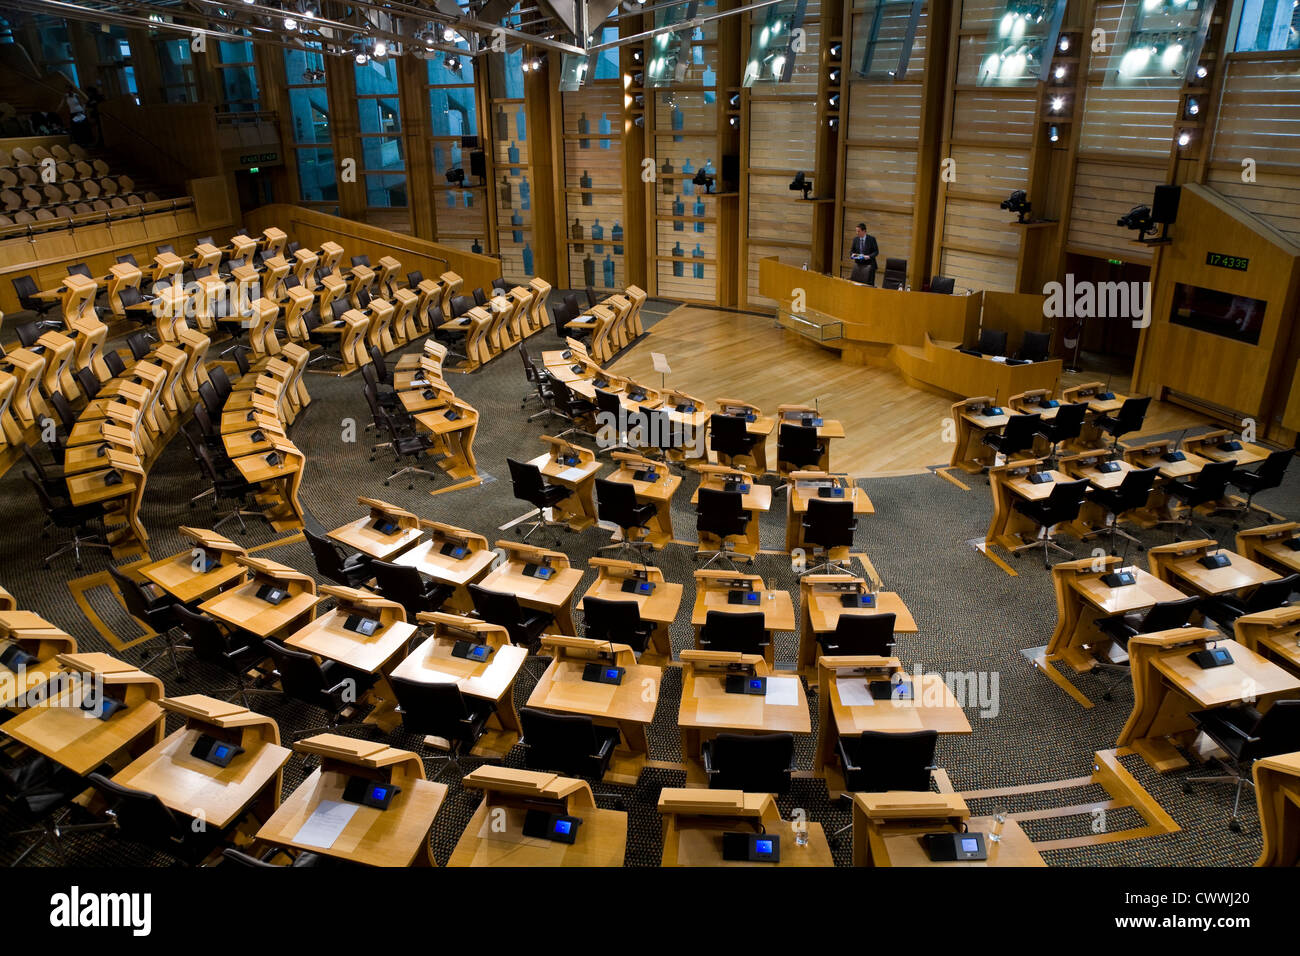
917 332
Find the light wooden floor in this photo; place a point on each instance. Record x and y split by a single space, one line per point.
891 427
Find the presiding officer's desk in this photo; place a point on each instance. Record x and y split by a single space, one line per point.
1010 482
60 728
495 837
806 485
1268 545
384 533
452 556
888 829
694 822
754 498
551 595
822 604
1273 634
316 817
197 574
1082 599
492 680
629 705
847 708
1277 790
713 591
707 709
1168 686
242 608
658 605
194 787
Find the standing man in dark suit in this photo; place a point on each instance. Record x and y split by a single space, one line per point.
863 252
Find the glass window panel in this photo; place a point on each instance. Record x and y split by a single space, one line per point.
379 115
316 176
382 152
297 63
376 77
440 74
235 51
453 111
385 190
1268 25
309 109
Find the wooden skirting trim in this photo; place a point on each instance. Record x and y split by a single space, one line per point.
946 473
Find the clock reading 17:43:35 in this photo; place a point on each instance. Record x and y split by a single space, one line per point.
1239 263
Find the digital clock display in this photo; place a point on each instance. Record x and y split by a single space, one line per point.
1239 263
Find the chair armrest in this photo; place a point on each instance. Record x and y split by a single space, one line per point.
844 756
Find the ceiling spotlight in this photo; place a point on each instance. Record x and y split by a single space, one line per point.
1202 72
1193 107
537 64
1060 73
524 66
362 58
381 48
834 76
1058 103
290 23
834 101
453 63
1053 134
1184 138
1064 44
448 34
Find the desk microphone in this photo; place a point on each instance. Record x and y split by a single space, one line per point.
1173 454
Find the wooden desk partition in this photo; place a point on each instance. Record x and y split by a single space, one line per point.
695 820
1277 788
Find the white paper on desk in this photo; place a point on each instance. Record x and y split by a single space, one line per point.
571 474
855 693
325 824
782 692
999 358
660 362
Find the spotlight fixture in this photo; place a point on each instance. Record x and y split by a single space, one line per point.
1139 220
833 101
1053 134
1018 202
703 179
637 55
537 64
381 48
362 58
1059 73
733 101
1202 72
1064 44
835 50
448 35
834 76
1058 104
733 121
290 23
833 122
453 63
1193 107
1184 138
801 183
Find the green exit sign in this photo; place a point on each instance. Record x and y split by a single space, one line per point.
1225 261
254 169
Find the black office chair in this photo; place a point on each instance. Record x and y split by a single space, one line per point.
88 382
858 635
236 653
140 817
501 608
26 289
616 622
387 395
480 297
152 614
351 571
1224 609
616 502
1207 486
1035 346
742 632
1066 425
879 761
403 440
1061 505
1130 494
942 285
407 587
74 518
571 744
895 273
1129 418
751 763
729 438
439 709
539 385
722 514
530 486
28 333
230 487
39 793
327 685
609 408
1245 736
302 858
992 342
828 525
797 447
221 382
570 405
1268 475
1162 616
1017 436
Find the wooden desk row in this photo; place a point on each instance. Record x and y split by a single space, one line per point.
504 321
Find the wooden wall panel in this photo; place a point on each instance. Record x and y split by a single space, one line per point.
594 158
1128 121
1103 192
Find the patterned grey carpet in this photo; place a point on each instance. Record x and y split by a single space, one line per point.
971 616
